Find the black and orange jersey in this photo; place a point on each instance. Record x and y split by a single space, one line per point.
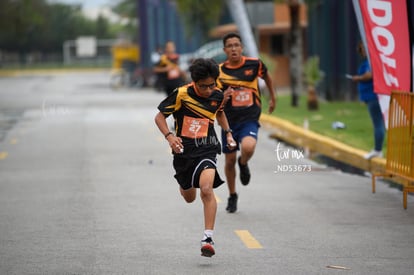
245 102
171 59
168 59
194 118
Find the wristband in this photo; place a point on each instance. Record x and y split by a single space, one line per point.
167 134
228 131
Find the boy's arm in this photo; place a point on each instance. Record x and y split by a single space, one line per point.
222 120
174 142
269 84
224 124
161 123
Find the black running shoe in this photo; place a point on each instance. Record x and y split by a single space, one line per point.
207 247
244 173
232 203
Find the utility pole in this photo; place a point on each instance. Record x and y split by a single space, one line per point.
296 46
239 15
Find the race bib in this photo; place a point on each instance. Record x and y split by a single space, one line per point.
174 73
195 127
242 97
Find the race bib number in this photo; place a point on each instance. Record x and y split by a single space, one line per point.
195 127
174 73
242 97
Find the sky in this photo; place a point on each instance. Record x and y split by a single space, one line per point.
87 4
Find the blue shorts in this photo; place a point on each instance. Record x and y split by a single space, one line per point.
240 130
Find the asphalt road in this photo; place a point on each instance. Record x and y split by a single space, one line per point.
86 187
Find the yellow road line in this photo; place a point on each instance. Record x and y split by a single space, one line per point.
3 155
248 240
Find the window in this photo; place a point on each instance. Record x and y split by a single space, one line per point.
278 44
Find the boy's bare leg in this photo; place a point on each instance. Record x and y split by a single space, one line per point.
208 198
230 171
210 209
188 195
248 145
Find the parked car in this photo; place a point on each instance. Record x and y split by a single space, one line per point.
213 49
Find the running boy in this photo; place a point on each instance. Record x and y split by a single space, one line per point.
195 146
239 77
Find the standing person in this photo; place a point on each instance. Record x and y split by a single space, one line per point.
195 107
169 65
159 77
367 95
239 77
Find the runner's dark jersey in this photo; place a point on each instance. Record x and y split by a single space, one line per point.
171 59
245 103
194 119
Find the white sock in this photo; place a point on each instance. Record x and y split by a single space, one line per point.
208 233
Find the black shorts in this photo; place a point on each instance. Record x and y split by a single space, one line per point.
188 171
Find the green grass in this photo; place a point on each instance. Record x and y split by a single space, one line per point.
358 132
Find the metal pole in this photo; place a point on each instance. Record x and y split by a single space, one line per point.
239 15
144 38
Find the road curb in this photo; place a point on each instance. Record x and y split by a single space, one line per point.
300 137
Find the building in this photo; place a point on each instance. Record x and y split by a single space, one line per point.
271 27
329 30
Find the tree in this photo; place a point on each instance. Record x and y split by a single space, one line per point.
65 22
296 46
127 10
35 26
296 57
102 27
20 22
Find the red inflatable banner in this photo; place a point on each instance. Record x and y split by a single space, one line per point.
386 28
